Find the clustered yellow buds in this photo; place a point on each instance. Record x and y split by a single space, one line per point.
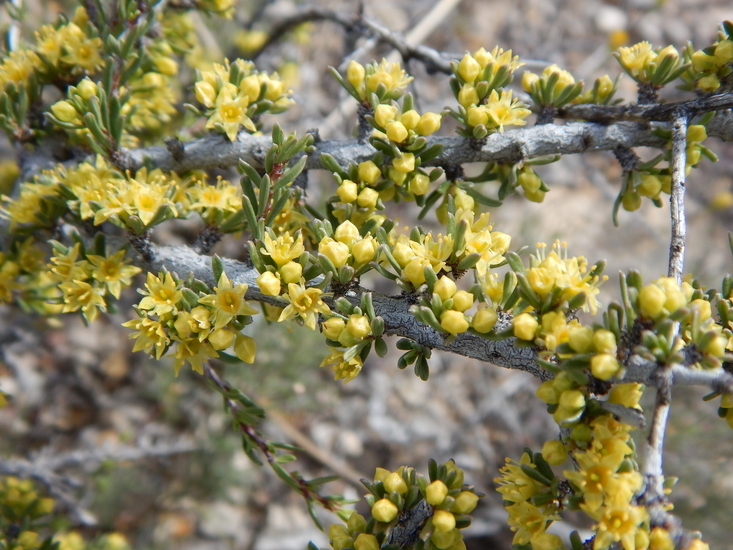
710 68
647 65
385 78
231 97
554 87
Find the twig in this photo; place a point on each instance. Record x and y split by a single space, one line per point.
677 198
653 495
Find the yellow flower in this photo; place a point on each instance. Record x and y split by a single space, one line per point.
636 59
342 369
161 296
527 521
222 196
389 74
305 303
505 110
228 302
230 113
284 248
112 271
83 52
80 295
65 267
619 523
194 352
150 335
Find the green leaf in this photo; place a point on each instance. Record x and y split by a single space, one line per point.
217 267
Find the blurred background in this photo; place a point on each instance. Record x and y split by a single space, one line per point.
77 388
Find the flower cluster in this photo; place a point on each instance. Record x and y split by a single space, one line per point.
555 87
443 502
531 500
484 106
233 94
646 65
203 323
711 66
86 279
386 80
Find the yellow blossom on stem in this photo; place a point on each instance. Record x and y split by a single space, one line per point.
112 271
305 303
150 336
193 352
504 110
161 296
231 112
284 248
227 301
81 295
343 369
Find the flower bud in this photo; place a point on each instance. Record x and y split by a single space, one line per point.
529 181
580 339
703 308
291 272
429 124
205 93
525 326
369 172
453 322
443 541
709 83
415 271
477 115
462 300
384 510
347 191
365 541
697 132
333 327
346 233
547 541
436 492
631 201
554 452
547 392
355 74
86 89
394 482
65 111
651 301
465 502
166 66
572 400
403 254
604 341
367 198
419 184
365 250
396 176
445 288
410 119
358 326
337 531
245 348
463 200
357 523
443 521
468 96
251 86
604 366
650 186
335 251
384 114
405 163
396 131
528 79
484 320
469 69
535 196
